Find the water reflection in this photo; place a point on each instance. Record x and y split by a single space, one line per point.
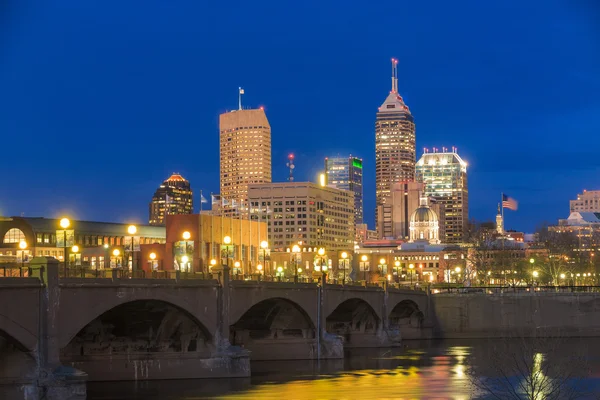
418 370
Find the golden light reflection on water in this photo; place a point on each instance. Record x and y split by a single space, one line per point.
443 377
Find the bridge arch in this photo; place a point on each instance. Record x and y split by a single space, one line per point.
352 316
406 314
27 340
73 324
140 326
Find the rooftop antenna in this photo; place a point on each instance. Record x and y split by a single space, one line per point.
291 166
241 92
394 75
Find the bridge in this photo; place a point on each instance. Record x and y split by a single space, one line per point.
51 328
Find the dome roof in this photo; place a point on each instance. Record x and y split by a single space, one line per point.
423 214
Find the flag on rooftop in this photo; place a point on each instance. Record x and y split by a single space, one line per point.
509 202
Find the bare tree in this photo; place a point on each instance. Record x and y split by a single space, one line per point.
532 368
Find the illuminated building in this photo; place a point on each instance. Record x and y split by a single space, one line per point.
173 196
304 213
445 178
424 224
394 143
346 173
40 234
588 201
245 153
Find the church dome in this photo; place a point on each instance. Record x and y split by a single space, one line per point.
423 214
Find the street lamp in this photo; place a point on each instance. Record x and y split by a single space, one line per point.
22 246
213 262
64 224
227 241
264 245
106 256
344 257
364 259
132 229
184 261
295 251
75 250
152 257
383 265
259 267
321 253
116 253
186 236
236 265
397 266
411 266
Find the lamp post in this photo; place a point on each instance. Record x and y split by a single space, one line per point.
106 257
264 245
321 253
132 229
64 224
75 250
295 251
259 267
236 265
411 266
116 253
152 258
213 262
382 266
534 275
344 257
227 241
396 266
186 236
22 246
364 259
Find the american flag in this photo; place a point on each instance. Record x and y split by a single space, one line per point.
509 202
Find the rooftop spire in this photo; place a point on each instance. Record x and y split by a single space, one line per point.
241 92
394 75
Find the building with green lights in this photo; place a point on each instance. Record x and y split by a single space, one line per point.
346 173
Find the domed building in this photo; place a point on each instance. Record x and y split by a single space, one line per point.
424 224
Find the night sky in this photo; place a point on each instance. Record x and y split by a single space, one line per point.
101 100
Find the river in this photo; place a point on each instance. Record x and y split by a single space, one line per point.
417 370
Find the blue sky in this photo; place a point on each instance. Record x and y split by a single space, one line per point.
101 100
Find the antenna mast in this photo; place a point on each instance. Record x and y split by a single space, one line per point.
291 166
394 75
241 92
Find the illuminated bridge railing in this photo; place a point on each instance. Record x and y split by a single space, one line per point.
498 290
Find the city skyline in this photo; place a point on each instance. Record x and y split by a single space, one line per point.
68 115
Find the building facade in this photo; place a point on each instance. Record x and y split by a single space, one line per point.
245 153
346 173
588 201
395 212
444 176
174 196
96 240
304 213
395 152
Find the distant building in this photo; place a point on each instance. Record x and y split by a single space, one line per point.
364 234
304 213
395 153
588 201
445 177
346 173
245 154
174 196
403 199
424 224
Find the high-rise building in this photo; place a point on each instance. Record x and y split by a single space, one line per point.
395 153
346 173
173 196
304 213
445 177
245 156
588 201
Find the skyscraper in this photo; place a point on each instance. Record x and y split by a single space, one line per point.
445 177
173 196
245 157
346 173
394 142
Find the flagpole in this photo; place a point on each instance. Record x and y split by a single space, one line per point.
502 208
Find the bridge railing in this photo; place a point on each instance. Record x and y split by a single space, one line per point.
516 289
13 271
120 273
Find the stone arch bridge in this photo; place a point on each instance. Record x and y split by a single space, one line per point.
126 329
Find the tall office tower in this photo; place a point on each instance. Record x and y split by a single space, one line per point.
245 157
445 177
346 173
305 213
173 196
588 201
394 143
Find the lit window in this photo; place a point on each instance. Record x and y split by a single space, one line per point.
14 235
